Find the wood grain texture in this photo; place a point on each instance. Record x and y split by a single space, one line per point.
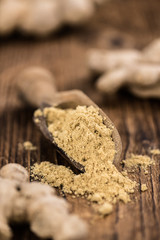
119 24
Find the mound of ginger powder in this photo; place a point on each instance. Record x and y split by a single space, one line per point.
82 134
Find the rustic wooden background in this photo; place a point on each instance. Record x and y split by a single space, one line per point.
128 23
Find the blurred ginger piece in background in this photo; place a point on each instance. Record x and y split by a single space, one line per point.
42 17
139 71
152 51
37 204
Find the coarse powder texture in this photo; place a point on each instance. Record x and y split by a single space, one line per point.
105 209
135 161
155 151
29 146
143 187
82 134
84 137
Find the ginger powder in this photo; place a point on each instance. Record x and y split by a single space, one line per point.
82 134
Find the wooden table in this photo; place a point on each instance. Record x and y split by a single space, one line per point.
117 24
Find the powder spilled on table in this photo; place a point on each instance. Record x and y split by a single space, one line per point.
29 146
155 151
135 161
82 134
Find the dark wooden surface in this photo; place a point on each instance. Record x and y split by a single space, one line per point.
119 24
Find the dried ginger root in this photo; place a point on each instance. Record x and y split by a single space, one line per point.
139 71
21 201
152 51
106 60
42 17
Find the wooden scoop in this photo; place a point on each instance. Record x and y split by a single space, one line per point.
36 86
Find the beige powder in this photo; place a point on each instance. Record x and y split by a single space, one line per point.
37 113
84 137
135 161
155 151
29 146
105 209
143 187
81 134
